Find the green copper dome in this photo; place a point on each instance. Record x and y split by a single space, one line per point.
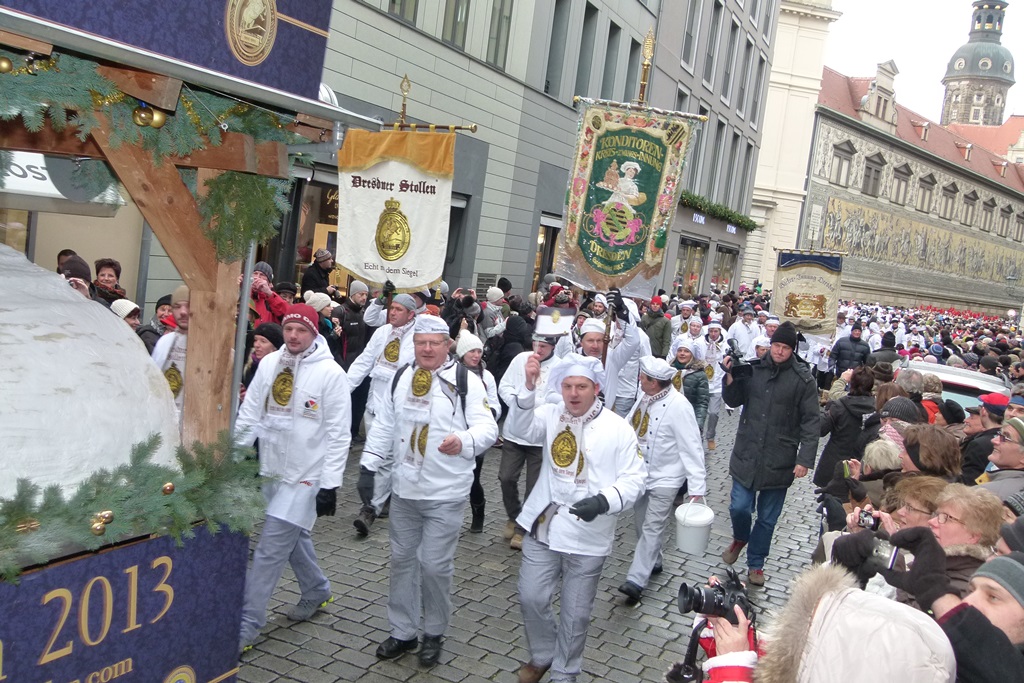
983 56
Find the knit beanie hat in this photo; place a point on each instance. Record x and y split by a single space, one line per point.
264 267
182 293
889 340
122 308
75 266
1008 572
901 408
405 300
318 300
165 300
1016 504
322 255
952 412
272 332
494 295
785 334
303 314
467 342
357 287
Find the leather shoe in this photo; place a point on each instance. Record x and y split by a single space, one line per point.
531 673
430 652
657 569
631 591
393 647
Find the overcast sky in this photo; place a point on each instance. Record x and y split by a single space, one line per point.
920 36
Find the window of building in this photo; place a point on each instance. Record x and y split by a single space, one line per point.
769 16
744 79
755 5
456 17
1004 221
755 96
682 99
873 166
556 48
842 156
731 175
900 182
988 215
691 32
632 72
730 61
588 40
970 208
689 267
976 114
404 10
695 156
979 98
611 61
925 193
712 47
948 204
748 172
497 36
1018 228
712 182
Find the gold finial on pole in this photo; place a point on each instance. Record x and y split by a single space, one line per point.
405 86
645 73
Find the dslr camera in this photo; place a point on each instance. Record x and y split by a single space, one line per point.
716 601
739 368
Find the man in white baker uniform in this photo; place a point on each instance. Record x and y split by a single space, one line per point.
744 331
169 351
592 471
670 441
389 348
680 323
713 348
433 435
377 313
299 407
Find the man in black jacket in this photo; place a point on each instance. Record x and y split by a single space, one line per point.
982 425
353 335
850 352
886 354
775 444
317 276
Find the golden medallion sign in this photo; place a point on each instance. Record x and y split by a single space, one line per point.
394 204
251 26
807 289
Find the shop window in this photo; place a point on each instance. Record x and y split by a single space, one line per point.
547 248
689 267
724 271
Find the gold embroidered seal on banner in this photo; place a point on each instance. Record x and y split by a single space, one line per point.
281 390
421 380
709 371
393 234
563 448
421 441
174 379
644 424
251 28
391 351
677 381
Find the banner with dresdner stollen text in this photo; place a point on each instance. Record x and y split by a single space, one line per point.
394 206
624 187
806 289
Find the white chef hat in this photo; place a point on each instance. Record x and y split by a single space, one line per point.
592 325
763 340
430 324
689 303
681 342
575 365
601 299
656 368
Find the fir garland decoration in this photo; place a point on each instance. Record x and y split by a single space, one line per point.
67 90
719 211
216 484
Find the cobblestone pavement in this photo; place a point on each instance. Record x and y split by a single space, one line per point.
486 641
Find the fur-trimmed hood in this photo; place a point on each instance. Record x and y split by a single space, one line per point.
810 639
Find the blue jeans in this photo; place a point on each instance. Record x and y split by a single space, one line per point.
741 508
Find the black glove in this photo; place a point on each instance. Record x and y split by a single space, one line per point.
389 288
616 302
855 552
835 513
926 579
326 502
589 508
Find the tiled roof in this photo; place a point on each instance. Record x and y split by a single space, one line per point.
843 94
996 138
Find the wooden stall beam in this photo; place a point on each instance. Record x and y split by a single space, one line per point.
14 136
238 152
159 91
21 42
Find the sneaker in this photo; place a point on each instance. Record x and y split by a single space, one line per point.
364 521
517 542
307 607
510 530
711 444
755 577
245 645
732 553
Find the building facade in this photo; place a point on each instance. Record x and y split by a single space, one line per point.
793 87
980 72
922 214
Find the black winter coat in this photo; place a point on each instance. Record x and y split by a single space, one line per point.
779 425
974 455
849 353
315 278
354 333
844 420
883 355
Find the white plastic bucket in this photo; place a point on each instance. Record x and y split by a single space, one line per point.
693 528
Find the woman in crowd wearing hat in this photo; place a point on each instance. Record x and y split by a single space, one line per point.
691 377
669 438
761 345
1008 456
469 351
951 417
269 305
127 311
926 449
844 420
321 303
155 328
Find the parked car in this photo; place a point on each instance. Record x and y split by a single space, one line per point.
962 385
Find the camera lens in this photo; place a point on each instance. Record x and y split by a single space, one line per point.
691 599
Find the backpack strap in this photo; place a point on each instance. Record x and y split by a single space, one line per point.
394 380
461 383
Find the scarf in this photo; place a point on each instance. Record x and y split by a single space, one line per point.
642 415
567 462
108 294
174 369
387 361
277 409
415 408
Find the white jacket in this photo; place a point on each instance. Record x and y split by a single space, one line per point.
629 374
712 354
366 362
672 447
513 383
745 336
442 477
310 453
615 359
614 468
375 314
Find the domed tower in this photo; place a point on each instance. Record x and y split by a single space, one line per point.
980 72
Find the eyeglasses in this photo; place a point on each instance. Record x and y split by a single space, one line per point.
944 517
1004 437
919 511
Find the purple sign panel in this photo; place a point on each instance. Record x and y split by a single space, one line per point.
147 612
276 43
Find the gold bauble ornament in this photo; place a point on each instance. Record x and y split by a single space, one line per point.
6 65
159 118
142 116
168 488
107 516
98 529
